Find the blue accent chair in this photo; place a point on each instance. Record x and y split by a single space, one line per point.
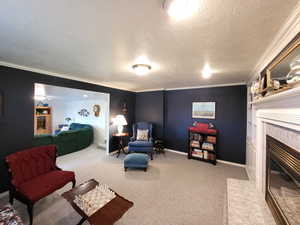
141 146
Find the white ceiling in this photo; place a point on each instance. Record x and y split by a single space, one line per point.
99 40
69 94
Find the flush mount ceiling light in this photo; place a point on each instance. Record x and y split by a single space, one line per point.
141 69
206 72
181 9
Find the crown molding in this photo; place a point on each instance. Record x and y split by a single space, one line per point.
206 86
149 90
193 87
68 76
287 32
50 73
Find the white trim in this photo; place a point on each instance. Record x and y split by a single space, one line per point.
149 90
193 87
114 152
69 76
231 163
177 152
218 160
288 31
107 138
207 86
50 73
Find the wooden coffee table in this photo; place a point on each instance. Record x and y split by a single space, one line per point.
107 215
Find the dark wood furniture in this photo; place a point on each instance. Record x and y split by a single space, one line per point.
107 215
159 146
34 175
42 120
196 148
121 138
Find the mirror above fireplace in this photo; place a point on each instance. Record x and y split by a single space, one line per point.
283 73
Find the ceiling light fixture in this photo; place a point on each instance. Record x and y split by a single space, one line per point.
141 69
181 9
206 72
85 96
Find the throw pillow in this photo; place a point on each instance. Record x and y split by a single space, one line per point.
64 128
142 135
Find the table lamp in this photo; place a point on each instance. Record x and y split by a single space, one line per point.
119 121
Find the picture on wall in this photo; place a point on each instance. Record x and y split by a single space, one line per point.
205 110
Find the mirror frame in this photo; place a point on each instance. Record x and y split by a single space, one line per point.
266 74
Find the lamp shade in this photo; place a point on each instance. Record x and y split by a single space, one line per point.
119 120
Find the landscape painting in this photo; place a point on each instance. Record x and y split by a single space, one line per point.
205 110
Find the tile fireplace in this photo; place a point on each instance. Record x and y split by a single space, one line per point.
283 182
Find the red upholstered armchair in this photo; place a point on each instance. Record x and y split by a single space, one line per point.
34 175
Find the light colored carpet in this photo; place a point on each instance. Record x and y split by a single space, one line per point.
245 205
174 190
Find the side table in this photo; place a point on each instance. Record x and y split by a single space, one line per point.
121 142
159 146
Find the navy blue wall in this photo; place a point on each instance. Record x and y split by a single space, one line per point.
150 107
16 125
231 117
231 106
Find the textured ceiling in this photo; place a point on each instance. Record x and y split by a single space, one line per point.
99 40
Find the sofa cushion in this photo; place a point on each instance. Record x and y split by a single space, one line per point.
31 163
42 139
77 126
45 184
140 144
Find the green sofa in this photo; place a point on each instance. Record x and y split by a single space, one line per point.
79 136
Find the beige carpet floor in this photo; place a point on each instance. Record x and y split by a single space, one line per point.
174 190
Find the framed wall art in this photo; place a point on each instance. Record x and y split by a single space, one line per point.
204 110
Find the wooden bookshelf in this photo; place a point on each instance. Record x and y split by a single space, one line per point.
42 120
202 146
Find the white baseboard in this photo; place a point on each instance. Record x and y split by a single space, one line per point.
114 152
174 151
218 160
231 163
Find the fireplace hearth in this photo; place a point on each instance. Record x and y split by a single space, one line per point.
283 182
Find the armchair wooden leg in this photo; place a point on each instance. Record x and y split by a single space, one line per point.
73 183
30 212
11 196
151 155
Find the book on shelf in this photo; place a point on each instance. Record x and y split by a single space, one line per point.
208 146
211 139
211 156
195 144
197 153
196 137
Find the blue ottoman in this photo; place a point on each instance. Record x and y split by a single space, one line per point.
136 160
